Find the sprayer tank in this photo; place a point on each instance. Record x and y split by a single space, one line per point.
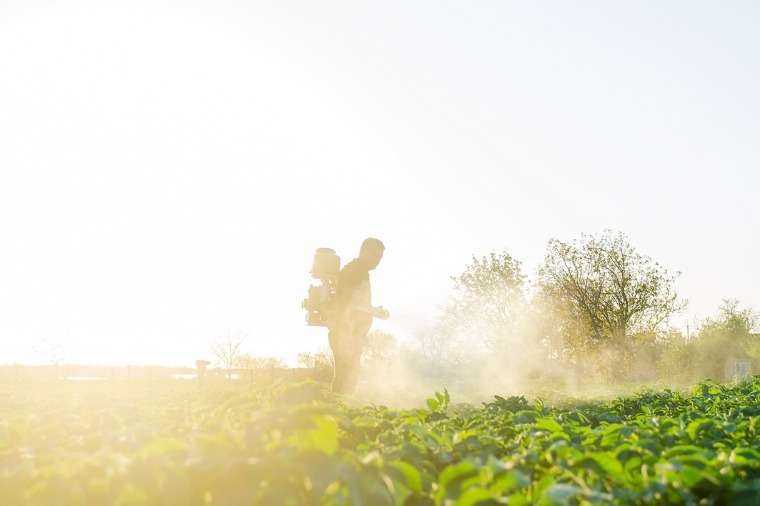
326 264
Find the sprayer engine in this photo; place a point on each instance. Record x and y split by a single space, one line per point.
319 302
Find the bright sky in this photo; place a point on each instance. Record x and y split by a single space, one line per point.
168 168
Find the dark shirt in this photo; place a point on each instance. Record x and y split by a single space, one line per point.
350 278
353 288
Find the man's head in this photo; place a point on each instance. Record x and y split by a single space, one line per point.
371 252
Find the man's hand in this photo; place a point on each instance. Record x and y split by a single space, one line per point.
377 312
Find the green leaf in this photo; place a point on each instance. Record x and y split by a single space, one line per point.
611 435
696 426
473 496
560 494
548 424
610 464
433 404
524 416
464 435
322 438
411 475
454 471
510 481
682 450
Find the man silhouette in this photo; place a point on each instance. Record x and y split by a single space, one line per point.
353 315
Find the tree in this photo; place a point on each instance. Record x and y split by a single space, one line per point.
227 352
316 359
556 326
728 335
732 320
614 290
249 362
488 300
258 365
321 362
675 361
379 348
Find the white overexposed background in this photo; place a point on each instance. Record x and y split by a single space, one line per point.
168 168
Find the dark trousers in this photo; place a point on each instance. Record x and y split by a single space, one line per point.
347 353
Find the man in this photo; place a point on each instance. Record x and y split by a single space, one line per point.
353 315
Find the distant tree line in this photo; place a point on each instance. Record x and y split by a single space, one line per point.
596 306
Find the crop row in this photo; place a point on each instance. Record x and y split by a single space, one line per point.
298 445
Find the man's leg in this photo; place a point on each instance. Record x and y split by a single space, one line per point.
352 363
352 370
341 375
347 352
337 345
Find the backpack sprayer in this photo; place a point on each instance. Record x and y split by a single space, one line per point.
319 302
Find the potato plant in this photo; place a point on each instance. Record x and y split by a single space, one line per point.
172 443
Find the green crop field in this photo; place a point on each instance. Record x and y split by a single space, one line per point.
172 442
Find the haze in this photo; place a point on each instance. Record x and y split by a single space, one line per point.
168 168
